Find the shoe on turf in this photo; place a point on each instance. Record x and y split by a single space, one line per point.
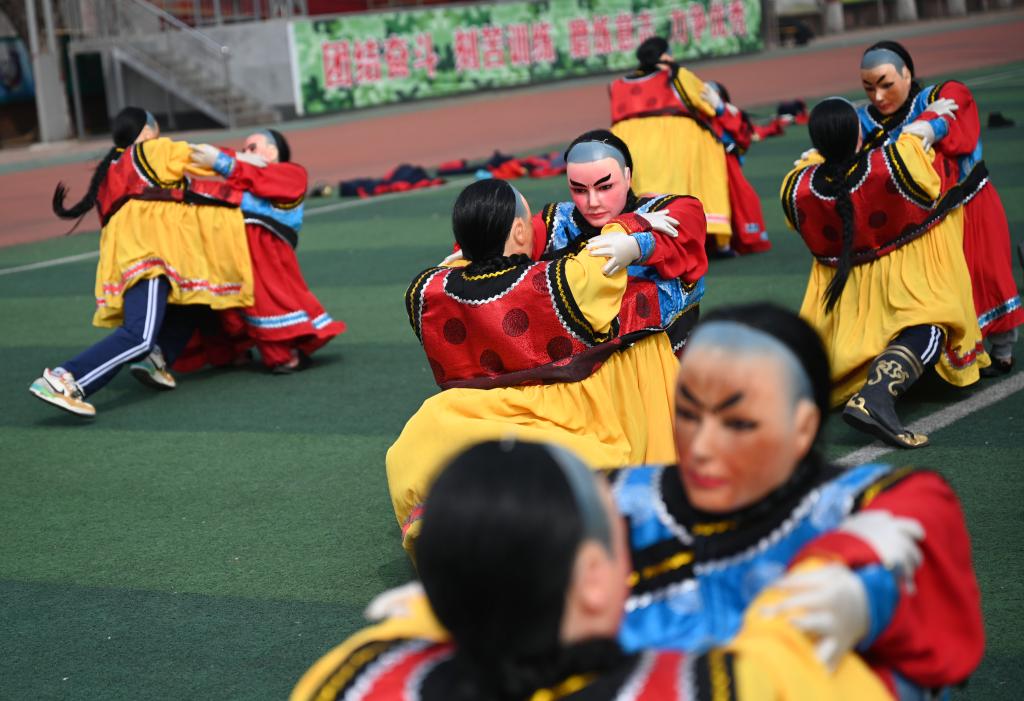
299 361
999 366
152 371
58 387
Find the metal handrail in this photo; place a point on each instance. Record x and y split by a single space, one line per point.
170 19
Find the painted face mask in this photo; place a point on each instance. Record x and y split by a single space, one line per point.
260 144
886 80
599 181
744 419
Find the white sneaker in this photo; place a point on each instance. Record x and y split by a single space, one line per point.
58 387
152 371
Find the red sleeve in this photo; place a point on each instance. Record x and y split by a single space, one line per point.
737 127
936 637
683 256
278 182
965 129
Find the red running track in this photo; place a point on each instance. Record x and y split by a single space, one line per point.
528 119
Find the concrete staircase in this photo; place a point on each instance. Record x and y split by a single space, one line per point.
184 61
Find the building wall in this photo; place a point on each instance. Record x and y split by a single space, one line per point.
260 64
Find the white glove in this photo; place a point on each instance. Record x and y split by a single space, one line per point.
923 130
828 604
662 222
805 155
393 603
452 258
944 107
204 155
711 96
620 250
893 538
250 158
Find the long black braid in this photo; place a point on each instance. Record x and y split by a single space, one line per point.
835 131
128 123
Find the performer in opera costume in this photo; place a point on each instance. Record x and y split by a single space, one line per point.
897 101
889 291
751 496
736 132
523 557
287 323
562 351
670 228
162 260
664 114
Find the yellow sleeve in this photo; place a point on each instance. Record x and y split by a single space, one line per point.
598 296
812 159
690 87
777 662
419 623
919 164
170 159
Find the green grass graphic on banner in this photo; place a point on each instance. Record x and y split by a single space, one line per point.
364 60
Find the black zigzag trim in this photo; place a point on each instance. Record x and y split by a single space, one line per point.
412 296
660 565
903 179
714 676
788 202
140 159
874 139
548 217
569 311
351 669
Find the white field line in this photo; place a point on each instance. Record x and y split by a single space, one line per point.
941 419
309 213
50 263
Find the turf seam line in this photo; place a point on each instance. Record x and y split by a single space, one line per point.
940 419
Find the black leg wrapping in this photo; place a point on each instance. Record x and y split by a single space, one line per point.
873 408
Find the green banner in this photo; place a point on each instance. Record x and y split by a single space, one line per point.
362 60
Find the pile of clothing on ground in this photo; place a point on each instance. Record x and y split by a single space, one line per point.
407 177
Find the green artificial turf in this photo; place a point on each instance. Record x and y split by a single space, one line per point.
213 541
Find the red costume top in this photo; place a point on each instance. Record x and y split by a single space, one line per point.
519 324
936 637
132 177
890 208
656 94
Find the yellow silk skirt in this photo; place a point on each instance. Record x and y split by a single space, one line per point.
202 250
621 415
924 282
675 156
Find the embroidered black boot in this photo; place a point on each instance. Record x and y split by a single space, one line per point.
873 408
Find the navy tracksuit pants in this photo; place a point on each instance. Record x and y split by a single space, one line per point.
148 320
